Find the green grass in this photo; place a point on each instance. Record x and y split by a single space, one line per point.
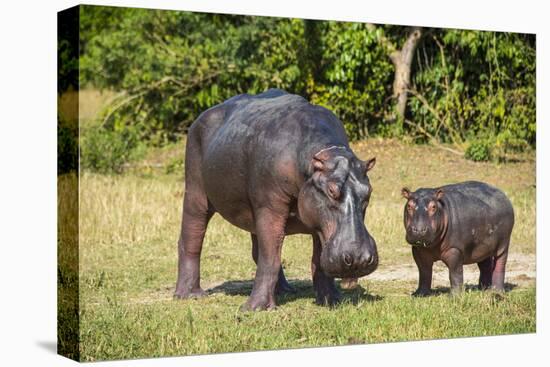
129 226
212 325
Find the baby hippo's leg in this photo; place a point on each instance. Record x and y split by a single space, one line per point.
499 269
424 262
485 273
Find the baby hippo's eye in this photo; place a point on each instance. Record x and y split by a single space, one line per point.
432 208
410 207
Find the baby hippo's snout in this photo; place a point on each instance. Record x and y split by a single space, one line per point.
419 230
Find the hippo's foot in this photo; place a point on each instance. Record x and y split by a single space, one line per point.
326 293
497 289
421 293
456 291
328 299
484 287
258 304
194 293
348 283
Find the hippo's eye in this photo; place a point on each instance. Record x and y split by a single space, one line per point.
410 207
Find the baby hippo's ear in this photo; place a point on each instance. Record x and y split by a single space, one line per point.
439 194
406 193
370 164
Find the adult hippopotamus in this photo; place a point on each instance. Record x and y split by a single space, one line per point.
275 165
464 223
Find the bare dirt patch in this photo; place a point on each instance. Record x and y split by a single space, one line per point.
520 269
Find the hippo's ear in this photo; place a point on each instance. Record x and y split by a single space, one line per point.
318 165
370 164
319 160
439 194
406 193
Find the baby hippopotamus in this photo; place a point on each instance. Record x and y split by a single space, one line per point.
463 223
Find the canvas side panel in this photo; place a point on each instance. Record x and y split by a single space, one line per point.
67 183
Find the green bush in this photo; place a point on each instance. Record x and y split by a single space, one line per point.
478 151
67 148
174 165
106 151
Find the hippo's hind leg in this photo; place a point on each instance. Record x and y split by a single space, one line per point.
193 229
197 211
282 284
499 268
485 273
326 293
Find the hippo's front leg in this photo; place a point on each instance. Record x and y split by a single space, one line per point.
424 261
454 260
282 284
326 293
270 232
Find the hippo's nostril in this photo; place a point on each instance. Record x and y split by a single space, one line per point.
348 259
370 260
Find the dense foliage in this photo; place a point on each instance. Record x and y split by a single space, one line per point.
467 86
477 87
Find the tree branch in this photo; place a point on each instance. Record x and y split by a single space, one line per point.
454 134
184 87
433 139
382 39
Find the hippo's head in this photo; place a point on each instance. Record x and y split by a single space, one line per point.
332 202
425 219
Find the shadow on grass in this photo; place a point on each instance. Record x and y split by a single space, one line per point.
469 288
303 289
358 294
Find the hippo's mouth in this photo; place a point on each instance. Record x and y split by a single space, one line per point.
416 241
420 243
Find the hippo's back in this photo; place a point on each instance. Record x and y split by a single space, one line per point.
468 192
272 117
476 207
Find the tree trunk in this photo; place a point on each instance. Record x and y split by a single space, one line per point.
402 61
